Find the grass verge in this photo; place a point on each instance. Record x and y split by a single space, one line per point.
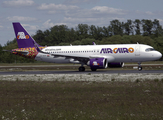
81 100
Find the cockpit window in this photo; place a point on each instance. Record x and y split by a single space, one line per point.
150 49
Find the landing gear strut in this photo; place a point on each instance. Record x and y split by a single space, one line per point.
81 69
139 66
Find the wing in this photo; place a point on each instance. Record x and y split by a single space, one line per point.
83 59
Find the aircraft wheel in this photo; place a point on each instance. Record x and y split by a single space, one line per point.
81 69
139 68
93 69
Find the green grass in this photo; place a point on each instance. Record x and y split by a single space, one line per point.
81 100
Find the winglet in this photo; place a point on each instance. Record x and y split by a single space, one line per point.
94 43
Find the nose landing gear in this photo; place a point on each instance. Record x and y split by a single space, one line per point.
139 66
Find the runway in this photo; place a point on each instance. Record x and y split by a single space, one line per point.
86 72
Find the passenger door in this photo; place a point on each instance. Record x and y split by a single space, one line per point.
137 50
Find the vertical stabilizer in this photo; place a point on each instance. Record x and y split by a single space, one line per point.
24 40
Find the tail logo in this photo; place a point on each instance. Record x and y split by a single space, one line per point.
21 35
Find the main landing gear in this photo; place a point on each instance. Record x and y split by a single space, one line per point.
93 69
139 66
81 69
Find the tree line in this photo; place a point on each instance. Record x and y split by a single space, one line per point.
61 34
142 31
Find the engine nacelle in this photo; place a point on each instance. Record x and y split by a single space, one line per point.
116 65
97 63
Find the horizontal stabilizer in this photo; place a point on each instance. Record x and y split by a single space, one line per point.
18 51
7 50
21 51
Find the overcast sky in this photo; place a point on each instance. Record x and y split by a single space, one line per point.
43 14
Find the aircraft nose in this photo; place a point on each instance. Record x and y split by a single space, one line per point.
159 55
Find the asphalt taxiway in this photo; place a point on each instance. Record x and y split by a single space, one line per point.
86 72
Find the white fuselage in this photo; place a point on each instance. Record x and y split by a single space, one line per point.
113 53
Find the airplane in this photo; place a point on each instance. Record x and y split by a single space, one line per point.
95 56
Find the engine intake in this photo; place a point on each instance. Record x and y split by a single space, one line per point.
97 63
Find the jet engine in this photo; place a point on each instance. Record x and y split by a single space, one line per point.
116 65
97 63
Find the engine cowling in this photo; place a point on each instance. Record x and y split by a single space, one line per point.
116 65
97 63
